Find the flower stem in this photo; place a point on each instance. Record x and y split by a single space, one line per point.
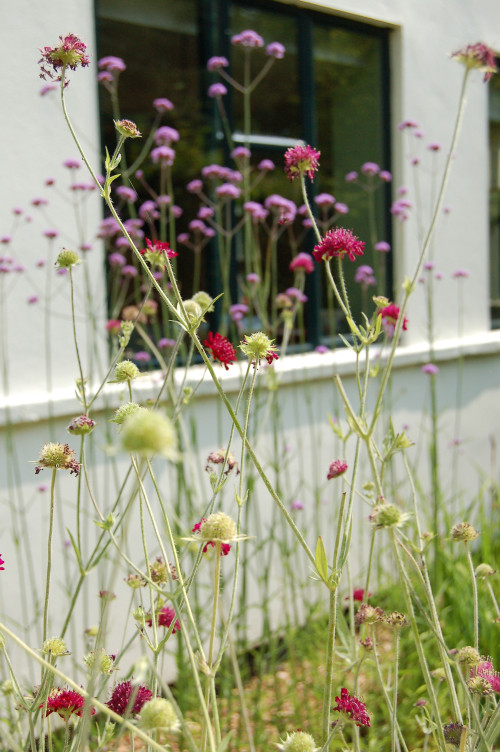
49 555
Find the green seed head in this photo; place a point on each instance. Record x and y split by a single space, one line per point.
298 741
125 411
55 646
67 258
464 532
126 371
218 527
158 713
146 433
483 571
468 656
387 515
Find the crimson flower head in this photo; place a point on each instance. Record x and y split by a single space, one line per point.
156 251
70 53
337 468
477 56
1 562
302 261
352 709
166 616
390 315
66 702
128 698
486 671
222 349
338 242
301 160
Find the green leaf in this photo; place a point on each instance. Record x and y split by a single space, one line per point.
321 560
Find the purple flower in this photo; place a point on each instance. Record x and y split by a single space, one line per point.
39 202
217 90
430 368
256 210
51 233
321 349
142 356
434 146
33 299
248 38
165 135
237 311
324 199
365 276
370 168
407 124
382 246
294 292
351 176
460 273
112 63
127 193
276 50
183 238
241 152
162 104
197 225
148 210
215 63
296 505
116 258
5 239
228 190
48 88
163 154
129 271
165 342
194 186
72 164
266 165
385 175
17 210
253 278
204 212
341 208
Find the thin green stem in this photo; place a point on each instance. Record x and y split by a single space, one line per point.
474 595
49 555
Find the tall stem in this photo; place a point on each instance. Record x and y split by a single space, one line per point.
49 556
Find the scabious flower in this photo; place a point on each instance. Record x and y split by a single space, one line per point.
365 276
464 531
258 346
221 348
159 714
65 702
297 741
390 315
128 698
216 63
301 160
351 177
156 251
486 671
216 528
70 52
338 242
477 56
126 193
127 129
162 104
165 617
453 733
81 425
352 709
338 467
302 261
382 246
430 368
387 515
148 432
58 457
370 168
276 50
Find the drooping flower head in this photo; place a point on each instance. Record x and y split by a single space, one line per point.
156 251
352 709
66 702
301 160
165 617
477 56
338 242
390 315
70 52
221 348
128 698
337 468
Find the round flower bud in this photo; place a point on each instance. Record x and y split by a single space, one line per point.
397 619
258 346
204 300
55 646
146 433
479 685
126 371
468 656
298 741
464 532
127 129
158 713
125 411
81 425
218 527
100 662
368 614
193 310
387 515
135 581
483 571
337 468
67 258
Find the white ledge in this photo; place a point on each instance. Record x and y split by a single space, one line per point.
32 407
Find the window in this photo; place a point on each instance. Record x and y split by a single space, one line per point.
330 90
494 95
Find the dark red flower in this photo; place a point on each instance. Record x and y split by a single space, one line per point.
354 709
156 251
390 315
338 242
128 698
166 616
66 702
222 349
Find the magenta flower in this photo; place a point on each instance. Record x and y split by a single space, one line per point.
266 165
352 708
407 124
165 342
194 186
127 193
166 616
301 160
477 56
241 152
155 252
276 50
228 190
382 246
112 63
221 348
129 271
162 104
141 356
341 208
385 176
2 568
296 505
216 63
164 155
390 315
51 233
435 146
256 211
365 276
253 278
224 547
351 176
339 243
33 299
324 199
71 52
217 90
113 326
321 349
486 670
65 702
47 89
248 38
337 468
302 261
460 273
165 135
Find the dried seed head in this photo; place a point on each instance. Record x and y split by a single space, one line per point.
468 656
464 532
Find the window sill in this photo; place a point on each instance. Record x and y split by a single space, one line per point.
32 407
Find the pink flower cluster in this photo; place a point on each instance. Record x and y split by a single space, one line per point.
352 708
338 243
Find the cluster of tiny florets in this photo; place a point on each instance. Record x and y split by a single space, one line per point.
58 457
352 708
338 243
301 160
221 349
258 346
128 698
70 53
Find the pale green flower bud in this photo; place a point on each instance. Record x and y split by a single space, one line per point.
468 656
158 713
193 311
464 532
100 662
387 515
124 412
127 128
298 741
55 646
218 527
67 258
204 300
146 433
126 371
483 571
258 346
